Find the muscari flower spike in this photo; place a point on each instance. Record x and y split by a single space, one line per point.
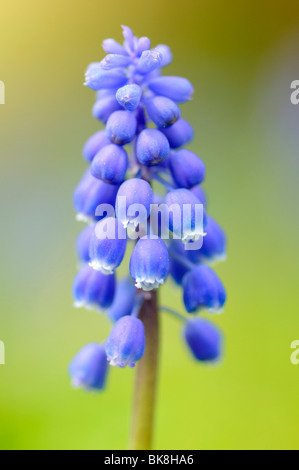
143 141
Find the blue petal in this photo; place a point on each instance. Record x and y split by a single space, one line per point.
94 145
149 61
143 44
83 242
129 96
187 169
176 88
121 127
165 53
149 263
93 290
89 367
133 191
112 47
204 339
162 111
110 164
124 300
112 61
90 193
214 244
183 205
106 254
104 107
179 134
96 78
126 342
203 290
152 147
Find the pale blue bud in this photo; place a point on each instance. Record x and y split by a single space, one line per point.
178 89
162 111
152 147
129 96
149 61
96 78
121 127
110 164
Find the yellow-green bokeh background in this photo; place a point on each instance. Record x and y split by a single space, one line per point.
241 58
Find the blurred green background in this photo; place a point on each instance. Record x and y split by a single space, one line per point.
241 58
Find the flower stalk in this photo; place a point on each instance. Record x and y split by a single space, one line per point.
146 378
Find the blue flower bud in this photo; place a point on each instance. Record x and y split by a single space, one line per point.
179 134
162 111
177 270
177 255
149 263
187 169
152 147
203 290
187 219
100 94
121 127
177 89
89 368
104 107
141 119
107 246
93 290
112 61
163 164
149 61
129 96
112 47
165 53
204 339
133 191
96 78
154 74
214 245
110 164
129 38
83 242
94 145
143 44
124 300
90 193
200 194
126 342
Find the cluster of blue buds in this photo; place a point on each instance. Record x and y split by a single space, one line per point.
139 169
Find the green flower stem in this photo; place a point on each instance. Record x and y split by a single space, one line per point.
174 313
146 379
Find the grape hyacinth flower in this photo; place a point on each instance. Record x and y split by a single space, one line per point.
106 253
165 230
124 299
126 342
93 290
203 339
89 368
